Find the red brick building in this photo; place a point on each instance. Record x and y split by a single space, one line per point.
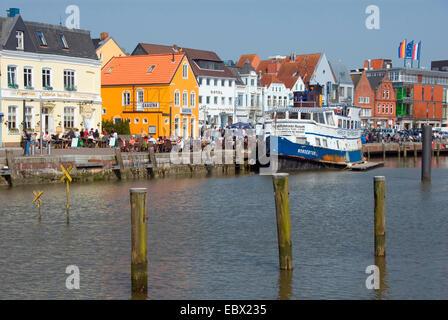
385 102
364 97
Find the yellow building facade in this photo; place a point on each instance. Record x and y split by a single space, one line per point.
107 48
53 91
159 102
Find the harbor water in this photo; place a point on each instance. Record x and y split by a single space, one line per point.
216 238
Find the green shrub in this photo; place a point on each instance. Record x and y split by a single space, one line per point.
120 127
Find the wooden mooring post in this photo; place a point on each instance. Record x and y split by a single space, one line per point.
281 190
384 151
438 151
139 261
405 151
426 153
368 153
415 152
379 186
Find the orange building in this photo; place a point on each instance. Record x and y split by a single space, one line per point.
157 94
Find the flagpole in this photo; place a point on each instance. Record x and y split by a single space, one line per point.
419 52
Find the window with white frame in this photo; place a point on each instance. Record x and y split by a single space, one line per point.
140 96
145 120
69 117
12 76
176 127
215 100
12 117
185 99
136 120
19 36
27 77
69 80
240 100
28 117
46 78
126 98
391 108
192 99
185 71
177 98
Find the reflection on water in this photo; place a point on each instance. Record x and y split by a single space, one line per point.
383 291
285 285
212 238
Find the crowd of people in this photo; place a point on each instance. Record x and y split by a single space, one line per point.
389 135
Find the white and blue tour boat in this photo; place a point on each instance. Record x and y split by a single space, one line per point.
314 137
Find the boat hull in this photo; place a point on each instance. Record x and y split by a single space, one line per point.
297 156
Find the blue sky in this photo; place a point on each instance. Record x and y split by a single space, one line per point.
234 27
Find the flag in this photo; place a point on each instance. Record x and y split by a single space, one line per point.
409 49
402 49
416 51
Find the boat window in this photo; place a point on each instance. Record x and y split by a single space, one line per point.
318 142
345 124
325 143
281 115
305 116
351 124
340 123
337 144
330 120
293 115
319 117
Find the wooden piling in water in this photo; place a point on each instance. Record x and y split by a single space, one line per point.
368 154
399 151
384 151
281 190
415 151
379 186
139 262
405 151
426 153
438 150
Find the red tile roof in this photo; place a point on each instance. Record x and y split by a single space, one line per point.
287 70
134 69
253 59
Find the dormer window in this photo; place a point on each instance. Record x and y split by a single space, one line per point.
109 70
19 36
63 41
151 68
41 37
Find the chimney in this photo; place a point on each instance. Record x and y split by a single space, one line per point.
173 58
175 48
293 57
104 35
368 64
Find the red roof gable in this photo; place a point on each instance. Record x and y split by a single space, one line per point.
136 69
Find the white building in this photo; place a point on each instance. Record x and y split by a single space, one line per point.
249 94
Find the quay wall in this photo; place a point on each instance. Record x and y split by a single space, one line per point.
46 169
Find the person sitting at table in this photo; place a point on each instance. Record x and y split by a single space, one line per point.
151 139
96 134
132 143
34 141
45 139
